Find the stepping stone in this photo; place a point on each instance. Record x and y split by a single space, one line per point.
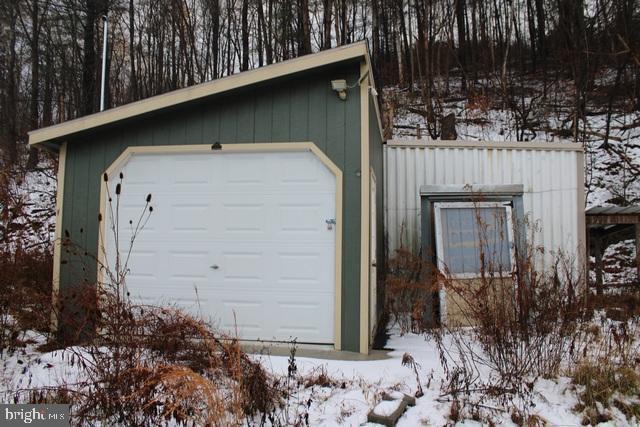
396 395
390 408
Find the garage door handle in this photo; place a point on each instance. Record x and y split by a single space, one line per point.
214 267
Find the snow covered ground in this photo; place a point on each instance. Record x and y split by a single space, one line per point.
366 381
355 386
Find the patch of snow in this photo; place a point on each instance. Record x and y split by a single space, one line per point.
387 407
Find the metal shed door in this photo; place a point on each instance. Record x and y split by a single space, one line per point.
243 239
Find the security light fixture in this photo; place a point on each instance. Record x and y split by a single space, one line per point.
340 87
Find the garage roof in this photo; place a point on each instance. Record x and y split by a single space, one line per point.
56 133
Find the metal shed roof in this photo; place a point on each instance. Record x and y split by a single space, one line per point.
613 210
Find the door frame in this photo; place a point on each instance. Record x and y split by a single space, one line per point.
476 193
373 256
124 157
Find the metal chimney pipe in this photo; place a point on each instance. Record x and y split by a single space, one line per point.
105 26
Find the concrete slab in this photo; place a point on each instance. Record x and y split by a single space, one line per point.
314 352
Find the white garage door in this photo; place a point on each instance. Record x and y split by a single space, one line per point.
242 239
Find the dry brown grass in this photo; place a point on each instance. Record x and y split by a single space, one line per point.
320 378
606 371
146 365
180 394
602 379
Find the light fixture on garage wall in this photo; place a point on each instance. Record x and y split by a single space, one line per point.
340 86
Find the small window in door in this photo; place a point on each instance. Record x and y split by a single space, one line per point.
474 237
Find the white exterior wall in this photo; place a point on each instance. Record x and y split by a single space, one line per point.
552 175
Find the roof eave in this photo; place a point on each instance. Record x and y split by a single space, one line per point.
52 134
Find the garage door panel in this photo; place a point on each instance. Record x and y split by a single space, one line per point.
260 219
189 217
145 262
304 217
187 171
189 265
282 266
239 315
297 218
306 315
300 267
243 218
143 172
244 172
298 168
254 317
186 304
243 266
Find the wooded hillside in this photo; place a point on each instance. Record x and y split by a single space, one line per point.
50 50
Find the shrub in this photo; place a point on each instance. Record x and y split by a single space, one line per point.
134 372
25 295
26 209
525 322
408 293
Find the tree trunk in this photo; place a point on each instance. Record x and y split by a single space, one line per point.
260 29
133 84
304 41
461 11
532 34
89 68
245 36
326 24
32 161
541 29
11 141
215 24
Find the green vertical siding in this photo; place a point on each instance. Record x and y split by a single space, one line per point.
296 109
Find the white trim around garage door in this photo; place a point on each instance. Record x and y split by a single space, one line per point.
240 148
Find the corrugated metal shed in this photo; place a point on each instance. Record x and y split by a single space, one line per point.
552 175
